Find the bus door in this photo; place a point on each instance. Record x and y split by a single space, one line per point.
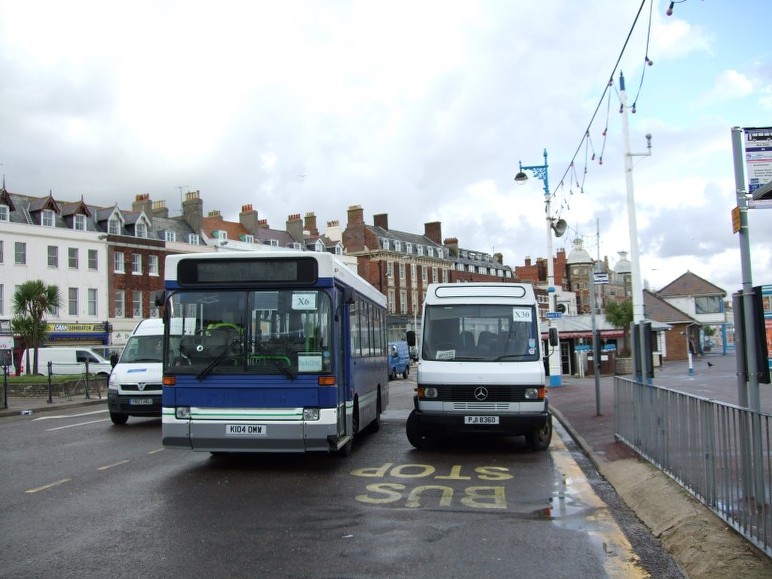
349 345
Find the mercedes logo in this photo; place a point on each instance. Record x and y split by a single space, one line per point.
480 393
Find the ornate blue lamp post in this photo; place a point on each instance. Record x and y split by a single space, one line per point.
540 172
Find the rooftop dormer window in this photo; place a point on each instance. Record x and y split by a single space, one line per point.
79 222
47 218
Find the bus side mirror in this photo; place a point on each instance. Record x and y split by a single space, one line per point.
159 298
113 359
553 337
411 338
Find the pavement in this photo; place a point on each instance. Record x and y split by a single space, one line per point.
699 541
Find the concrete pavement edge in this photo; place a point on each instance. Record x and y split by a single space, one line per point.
700 542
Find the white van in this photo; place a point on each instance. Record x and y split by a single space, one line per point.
134 388
480 369
66 360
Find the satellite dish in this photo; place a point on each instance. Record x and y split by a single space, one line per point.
560 227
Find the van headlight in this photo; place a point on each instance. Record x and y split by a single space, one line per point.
182 412
427 392
531 393
310 414
113 382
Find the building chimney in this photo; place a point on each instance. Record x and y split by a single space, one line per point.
143 203
262 224
193 211
310 224
381 220
248 219
433 231
160 209
295 227
355 215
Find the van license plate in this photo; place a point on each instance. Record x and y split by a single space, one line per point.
481 419
245 430
140 401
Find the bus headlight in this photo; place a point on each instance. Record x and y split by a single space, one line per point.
310 414
182 412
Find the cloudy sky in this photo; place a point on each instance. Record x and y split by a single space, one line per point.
419 109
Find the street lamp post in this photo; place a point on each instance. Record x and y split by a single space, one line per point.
541 172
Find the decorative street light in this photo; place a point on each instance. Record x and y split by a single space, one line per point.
540 172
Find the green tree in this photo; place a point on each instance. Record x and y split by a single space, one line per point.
620 315
31 301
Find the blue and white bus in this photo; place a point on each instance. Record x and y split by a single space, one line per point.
271 351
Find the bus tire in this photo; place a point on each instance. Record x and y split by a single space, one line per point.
119 419
415 434
406 372
393 375
539 440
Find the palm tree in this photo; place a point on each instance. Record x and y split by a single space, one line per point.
620 315
31 301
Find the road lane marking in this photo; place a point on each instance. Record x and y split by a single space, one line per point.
69 415
156 451
48 486
78 424
119 463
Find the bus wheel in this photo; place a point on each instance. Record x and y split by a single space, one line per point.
539 440
406 372
415 434
393 375
119 419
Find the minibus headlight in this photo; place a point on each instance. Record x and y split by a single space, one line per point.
427 392
310 414
531 393
182 412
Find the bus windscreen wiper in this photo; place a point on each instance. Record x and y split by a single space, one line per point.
209 367
276 361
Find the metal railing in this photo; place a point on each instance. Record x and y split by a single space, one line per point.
719 452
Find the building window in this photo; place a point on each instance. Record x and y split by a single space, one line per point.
20 253
170 236
140 229
53 256
391 301
118 262
72 301
72 257
430 251
136 304
444 276
408 247
194 239
384 243
152 265
425 274
92 301
707 305
79 223
389 269
401 270
114 226
136 263
4 213
120 304
47 218
403 301
274 243
338 249
397 245
93 259
249 238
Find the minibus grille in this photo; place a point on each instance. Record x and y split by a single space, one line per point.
481 393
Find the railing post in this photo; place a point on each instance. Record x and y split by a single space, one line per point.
50 370
87 394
